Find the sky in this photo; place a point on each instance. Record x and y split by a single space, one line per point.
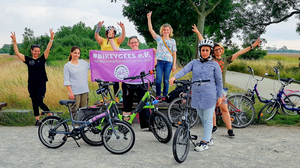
42 15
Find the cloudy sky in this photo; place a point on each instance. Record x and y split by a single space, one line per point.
41 15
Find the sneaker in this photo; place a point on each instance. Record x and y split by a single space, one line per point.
211 142
230 133
37 123
157 97
164 98
215 129
201 147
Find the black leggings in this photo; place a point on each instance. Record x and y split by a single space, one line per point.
37 92
116 88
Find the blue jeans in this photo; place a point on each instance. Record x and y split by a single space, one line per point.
163 68
206 116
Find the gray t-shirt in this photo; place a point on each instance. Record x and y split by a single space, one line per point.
77 76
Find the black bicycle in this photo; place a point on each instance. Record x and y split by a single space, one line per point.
182 136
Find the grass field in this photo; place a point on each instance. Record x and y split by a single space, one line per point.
13 77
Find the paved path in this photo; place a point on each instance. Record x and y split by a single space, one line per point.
264 87
254 146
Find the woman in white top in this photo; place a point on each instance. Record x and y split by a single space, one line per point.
76 79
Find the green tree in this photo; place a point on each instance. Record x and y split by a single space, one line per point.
28 38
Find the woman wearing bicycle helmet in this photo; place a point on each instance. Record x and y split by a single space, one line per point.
166 56
130 88
218 51
208 95
37 76
76 79
106 46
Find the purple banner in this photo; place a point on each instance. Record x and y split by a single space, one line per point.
114 66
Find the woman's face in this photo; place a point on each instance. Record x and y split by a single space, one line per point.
75 54
205 52
218 51
166 30
36 52
134 43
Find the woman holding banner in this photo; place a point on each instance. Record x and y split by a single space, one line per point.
106 44
130 88
166 56
76 79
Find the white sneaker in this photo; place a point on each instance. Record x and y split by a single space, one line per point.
201 147
211 142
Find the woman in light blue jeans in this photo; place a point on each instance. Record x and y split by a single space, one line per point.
206 96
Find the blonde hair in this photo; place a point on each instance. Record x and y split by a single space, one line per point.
166 25
219 45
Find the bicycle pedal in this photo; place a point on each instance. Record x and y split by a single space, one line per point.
194 137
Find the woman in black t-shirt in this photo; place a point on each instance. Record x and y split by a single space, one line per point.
37 76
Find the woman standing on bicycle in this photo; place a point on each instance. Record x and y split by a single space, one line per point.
166 56
106 44
37 76
76 79
129 88
204 97
218 51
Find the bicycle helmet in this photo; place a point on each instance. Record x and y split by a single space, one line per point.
108 28
205 42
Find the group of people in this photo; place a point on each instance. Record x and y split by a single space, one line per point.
210 65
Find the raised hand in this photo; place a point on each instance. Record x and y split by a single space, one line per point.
13 37
149 15
256 43
195 29
121 25
51 34
100 23
110 33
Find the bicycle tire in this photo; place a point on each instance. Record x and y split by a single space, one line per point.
160 127
290 101
119 145
176 111
245 114
181 140
268 111
52 140
91 134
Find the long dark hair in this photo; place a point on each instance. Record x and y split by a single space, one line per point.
72 49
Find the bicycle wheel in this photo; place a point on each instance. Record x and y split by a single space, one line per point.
121 143
268 111
241 111
53 140
181 144
91 134
290 101
160 127
176 109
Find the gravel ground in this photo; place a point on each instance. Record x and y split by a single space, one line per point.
254 146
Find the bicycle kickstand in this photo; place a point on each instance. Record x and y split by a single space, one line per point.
76 141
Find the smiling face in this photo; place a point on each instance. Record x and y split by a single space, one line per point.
166 30
75 54
134 43
205 51
218 51
36 52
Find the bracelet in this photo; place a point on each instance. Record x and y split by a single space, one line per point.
251 47
51 40
110 37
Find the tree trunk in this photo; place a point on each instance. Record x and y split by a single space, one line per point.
200 26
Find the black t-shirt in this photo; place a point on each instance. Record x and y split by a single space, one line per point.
36 69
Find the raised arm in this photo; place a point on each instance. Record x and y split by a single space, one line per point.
195 29
174 61
122 37
111 40
152 32
21 56
46 53
98 38
243 51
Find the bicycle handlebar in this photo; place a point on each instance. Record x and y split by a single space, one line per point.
252 72
188 82
141 76
103 83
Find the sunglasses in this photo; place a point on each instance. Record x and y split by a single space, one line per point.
131 37
35 45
